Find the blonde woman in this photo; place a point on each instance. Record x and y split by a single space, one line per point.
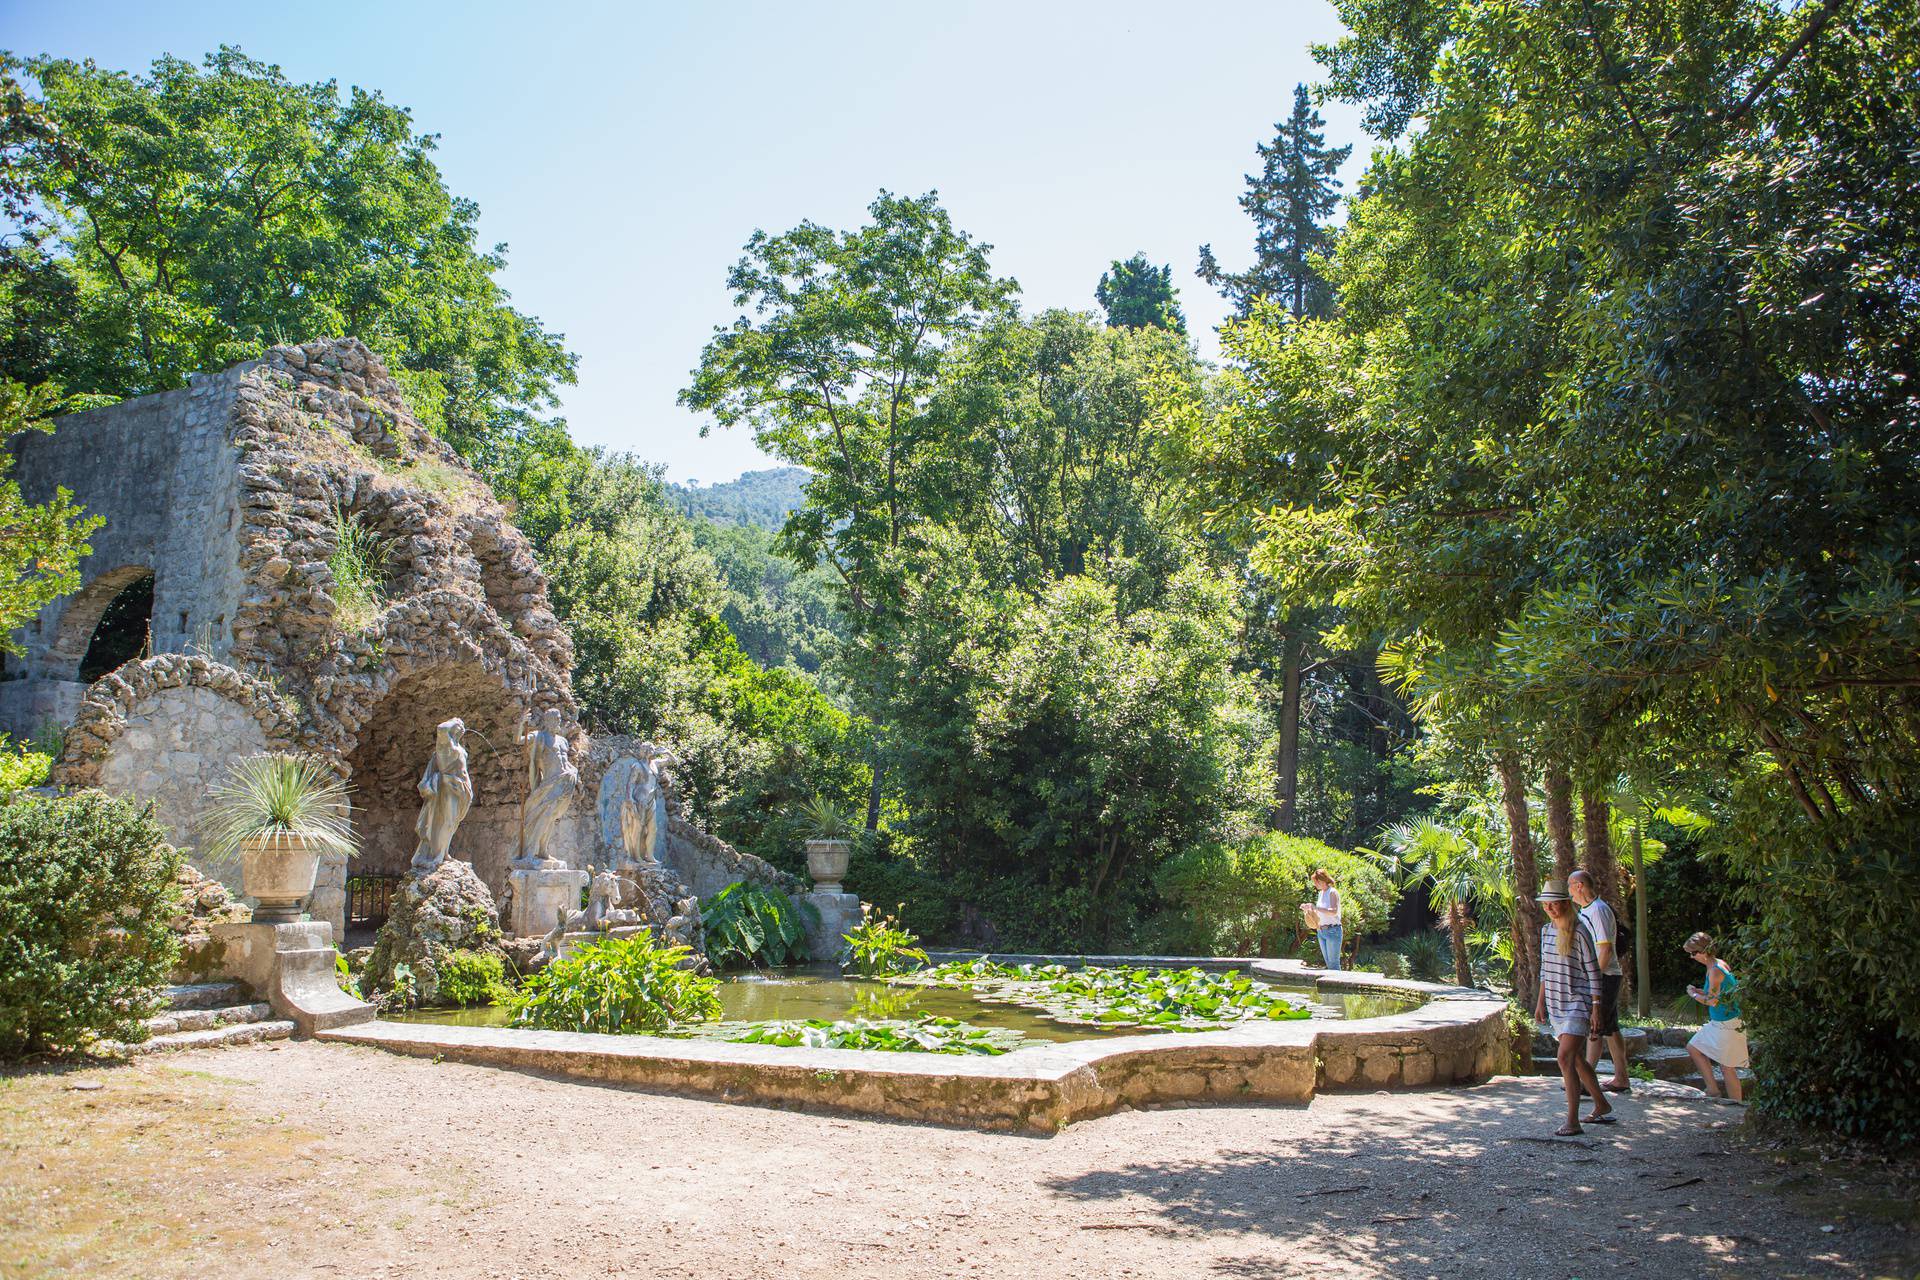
1724 1038
1569 985
1323 913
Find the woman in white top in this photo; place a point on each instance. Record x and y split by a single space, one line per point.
1324 912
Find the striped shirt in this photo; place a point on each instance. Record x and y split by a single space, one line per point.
1572 981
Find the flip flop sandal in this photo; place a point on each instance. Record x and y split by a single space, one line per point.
1565 1131
1608 1118
1617 1088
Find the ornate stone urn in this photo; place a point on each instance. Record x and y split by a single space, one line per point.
278 869
280 815
827 863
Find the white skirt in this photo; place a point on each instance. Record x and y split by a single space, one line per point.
1723 1042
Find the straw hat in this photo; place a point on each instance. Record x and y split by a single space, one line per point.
1554 891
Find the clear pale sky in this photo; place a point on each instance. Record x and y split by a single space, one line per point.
625 152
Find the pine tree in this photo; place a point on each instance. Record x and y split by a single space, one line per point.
1289 201
1136 294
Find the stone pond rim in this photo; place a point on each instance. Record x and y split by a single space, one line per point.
1458 1036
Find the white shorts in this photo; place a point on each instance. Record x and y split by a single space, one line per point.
1571 1022
1723 1042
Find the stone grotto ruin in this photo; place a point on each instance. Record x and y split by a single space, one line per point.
208 625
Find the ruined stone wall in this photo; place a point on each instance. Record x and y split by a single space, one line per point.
233 493
160 471
165 729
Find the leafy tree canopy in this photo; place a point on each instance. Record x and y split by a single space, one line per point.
194 216
1136 294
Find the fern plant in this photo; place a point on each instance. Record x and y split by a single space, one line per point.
750 925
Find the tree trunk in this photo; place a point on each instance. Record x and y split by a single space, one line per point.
1526 882
1643 993
1286 760
1560 820
1457 935
873 800
1604 868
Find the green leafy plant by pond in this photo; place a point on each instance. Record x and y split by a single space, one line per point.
469 978
879 947
624 985
918 1035
750 925
1190 999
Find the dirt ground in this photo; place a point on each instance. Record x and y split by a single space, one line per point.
298 1160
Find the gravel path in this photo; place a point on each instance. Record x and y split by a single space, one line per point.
397 1167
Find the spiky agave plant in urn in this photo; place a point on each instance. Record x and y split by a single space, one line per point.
828 843
280 813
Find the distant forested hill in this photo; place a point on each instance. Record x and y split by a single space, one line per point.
758 499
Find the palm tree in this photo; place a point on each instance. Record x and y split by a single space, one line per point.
1455 866
1635 805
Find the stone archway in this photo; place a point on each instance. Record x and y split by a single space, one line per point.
391 752
80 620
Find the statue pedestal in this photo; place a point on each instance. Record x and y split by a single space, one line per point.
541 896
839 912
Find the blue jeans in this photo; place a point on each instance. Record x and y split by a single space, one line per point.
1330 939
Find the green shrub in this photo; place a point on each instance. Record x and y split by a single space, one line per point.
472 977
878 946
628 985
746 924
927 904
22 765
1429 958
1244 899
1830 988
87 898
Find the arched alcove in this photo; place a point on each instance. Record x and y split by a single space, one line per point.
391 753
107 624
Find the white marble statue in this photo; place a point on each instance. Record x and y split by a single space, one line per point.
643 819
446 793
552 781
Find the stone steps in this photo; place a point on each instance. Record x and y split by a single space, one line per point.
1638 1042
166 1024
207 995
205 1015
1666 1063
214 1037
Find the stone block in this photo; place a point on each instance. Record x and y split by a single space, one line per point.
542 897
1416 1069
1380 1067
838 913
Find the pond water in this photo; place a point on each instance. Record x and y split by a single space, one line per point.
804 994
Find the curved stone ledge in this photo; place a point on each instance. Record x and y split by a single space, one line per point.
1455 1038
